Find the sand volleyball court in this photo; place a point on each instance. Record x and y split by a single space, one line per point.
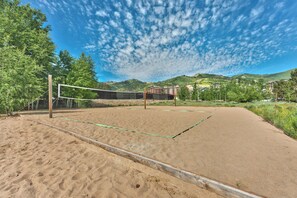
230 145
37 161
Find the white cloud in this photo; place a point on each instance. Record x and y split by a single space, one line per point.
113 23
279 5
129 2
257 11
155 39
101 13
117 14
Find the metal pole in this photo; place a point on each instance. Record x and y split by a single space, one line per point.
50 96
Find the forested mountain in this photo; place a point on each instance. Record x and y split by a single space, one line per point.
204 80
266 77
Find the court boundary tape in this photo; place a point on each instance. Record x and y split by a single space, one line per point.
187 129
137 132
203 182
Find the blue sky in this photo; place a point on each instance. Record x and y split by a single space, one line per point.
153 40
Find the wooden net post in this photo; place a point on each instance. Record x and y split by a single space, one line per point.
174 94
144 97
50 96
174 100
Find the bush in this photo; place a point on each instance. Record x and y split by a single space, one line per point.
283 116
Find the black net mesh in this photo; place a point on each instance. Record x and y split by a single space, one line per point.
83 93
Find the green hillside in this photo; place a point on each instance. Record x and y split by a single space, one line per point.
179 80
128 85
279 76
204 80
266 77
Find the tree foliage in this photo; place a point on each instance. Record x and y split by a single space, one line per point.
19 82
195 92
26 56
183 93
294 83
61 69
237 91
23 27
82 73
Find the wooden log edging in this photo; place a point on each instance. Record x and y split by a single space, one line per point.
203 182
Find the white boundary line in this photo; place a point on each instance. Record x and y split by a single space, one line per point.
203 182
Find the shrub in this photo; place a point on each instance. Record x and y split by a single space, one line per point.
283 116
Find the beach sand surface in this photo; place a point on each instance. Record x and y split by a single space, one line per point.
37 161
233 146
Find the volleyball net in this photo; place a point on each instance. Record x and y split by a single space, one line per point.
85 93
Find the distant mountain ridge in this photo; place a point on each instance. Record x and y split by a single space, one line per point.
203 80
267 77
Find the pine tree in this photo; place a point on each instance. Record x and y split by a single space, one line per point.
294 82
82 74
195 92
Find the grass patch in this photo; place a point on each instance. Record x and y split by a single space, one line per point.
283 116
194 103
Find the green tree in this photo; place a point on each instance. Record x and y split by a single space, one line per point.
183 93
19 82
82 74
294 82
23 33
279 90
23 27
288 90
294 76
61 69
65 60
195 92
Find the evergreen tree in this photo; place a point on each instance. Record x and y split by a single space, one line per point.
82 74
294 76
294 82
195 92
65 61
288 90
62 68
279 90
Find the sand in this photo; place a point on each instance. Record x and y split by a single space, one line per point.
37 161
233 146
